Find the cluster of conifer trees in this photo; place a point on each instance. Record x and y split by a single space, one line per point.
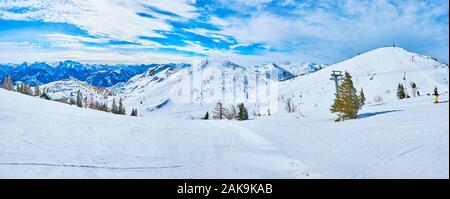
238 112
79 101
347 102
401 91
21 87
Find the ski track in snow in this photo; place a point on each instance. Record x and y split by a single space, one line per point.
89 166
249 136
407 151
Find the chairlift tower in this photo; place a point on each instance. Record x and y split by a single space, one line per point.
336 76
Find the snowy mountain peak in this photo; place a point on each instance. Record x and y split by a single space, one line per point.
217 64
377 72
390 58
273 66
43 72
274 72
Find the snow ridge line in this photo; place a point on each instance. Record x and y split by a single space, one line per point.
88 166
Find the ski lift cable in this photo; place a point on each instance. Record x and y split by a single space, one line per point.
323 82
397 71
310 87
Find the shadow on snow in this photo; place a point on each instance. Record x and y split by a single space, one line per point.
366 115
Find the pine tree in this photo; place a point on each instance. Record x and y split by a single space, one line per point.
219 111
243 113
25 89
10 83
206 117
91 102
21 88
7 83
290 106
401 92
4 82
28 90
414 88
230 113
103 107
362 98
37 90
121 109
346 103
114 107
72 101
85 102
134 112
79 99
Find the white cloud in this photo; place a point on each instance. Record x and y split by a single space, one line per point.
348 27
210 34
58 38
183 8
317 30
18 53
114 19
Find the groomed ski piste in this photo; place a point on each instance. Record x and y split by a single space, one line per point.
390 138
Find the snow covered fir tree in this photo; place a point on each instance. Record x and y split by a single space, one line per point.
401 94
347 103
243 112
7 83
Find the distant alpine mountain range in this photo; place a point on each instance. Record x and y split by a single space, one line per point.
103 75
94 74
287 70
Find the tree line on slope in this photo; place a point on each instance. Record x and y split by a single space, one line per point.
239 112
20 87
347 102
80 101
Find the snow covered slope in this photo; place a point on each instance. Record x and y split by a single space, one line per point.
400 139
150 89
211 81
68 89
377 72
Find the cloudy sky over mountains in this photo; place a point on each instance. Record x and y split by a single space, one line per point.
244 31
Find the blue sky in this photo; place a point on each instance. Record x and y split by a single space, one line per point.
244 31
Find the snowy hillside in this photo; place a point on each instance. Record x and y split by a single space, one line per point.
45 139
390 138
211 81
149 89
377 72
68 89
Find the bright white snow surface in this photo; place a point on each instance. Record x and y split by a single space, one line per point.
400 139
390 139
